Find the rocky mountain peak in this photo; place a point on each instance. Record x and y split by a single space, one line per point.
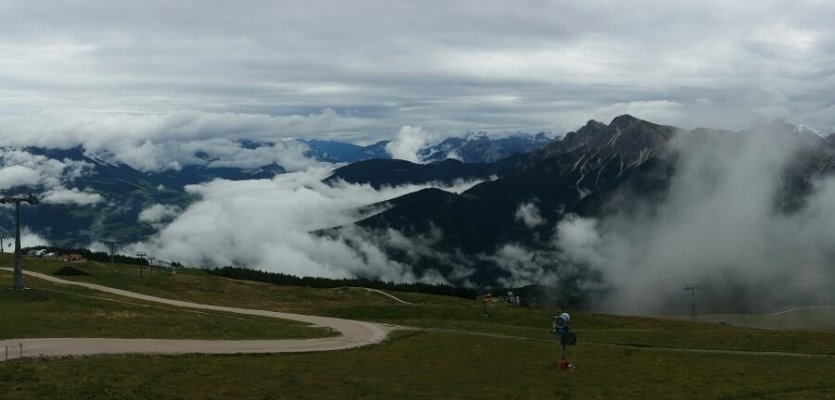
624 132
601 150
624 121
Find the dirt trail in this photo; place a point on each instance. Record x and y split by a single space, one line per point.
397 299
353 334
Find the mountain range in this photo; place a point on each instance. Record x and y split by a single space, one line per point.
473 147
87 197
482 236
523 197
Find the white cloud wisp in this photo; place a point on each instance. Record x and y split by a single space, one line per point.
272 224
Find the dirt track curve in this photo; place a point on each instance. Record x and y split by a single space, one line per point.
353 334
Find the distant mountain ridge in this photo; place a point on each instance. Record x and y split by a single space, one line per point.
111 194
480 148
470 148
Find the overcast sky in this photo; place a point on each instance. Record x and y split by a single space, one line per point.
361 70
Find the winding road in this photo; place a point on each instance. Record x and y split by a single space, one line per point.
352 334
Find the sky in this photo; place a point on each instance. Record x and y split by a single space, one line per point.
360 71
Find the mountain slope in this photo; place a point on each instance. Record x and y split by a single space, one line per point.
379 173
625 167
471 148
556 180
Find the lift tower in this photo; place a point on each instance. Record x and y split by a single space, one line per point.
693 289
112 242
18 273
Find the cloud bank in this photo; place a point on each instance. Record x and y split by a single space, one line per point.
270 224
472 65
20 169
722 226
171 140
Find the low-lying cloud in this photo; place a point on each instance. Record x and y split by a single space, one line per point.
270 224
721 226
408 142
159 213
71 196
20 169
528 214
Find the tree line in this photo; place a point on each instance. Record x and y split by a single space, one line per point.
292 280
101 256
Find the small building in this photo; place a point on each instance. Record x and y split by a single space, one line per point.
36 253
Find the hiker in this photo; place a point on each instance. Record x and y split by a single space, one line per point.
561 329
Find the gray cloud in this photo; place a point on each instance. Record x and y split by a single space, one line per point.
71 196
158 213
721 226
408 142
269 223
31 239
172 140
528 214
469 65
21 169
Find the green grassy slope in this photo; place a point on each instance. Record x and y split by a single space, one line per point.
506 355
51 310
427 366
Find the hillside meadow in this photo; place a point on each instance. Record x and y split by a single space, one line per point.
446 348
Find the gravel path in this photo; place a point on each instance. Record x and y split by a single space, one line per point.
397 299
353 334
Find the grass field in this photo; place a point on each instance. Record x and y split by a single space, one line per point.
50 310
816 317
427 366
503 356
